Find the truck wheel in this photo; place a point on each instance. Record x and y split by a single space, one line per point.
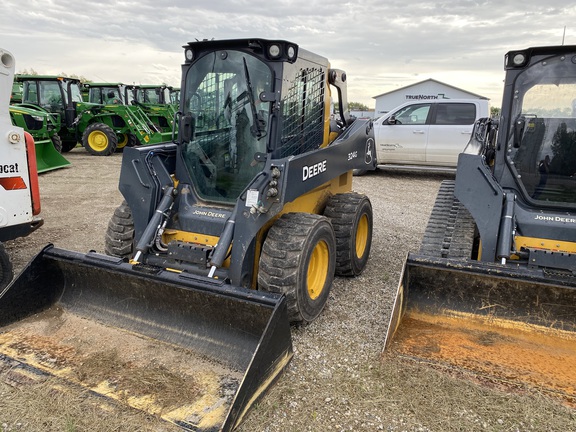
119 239
133 141
57 142
6 273
352 219
298 259
99 139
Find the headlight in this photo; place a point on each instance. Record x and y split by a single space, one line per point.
189 54
518 59
291 52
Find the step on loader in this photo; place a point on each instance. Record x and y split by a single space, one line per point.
224 238
19 189
493 288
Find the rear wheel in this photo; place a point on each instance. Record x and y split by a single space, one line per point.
298 259
99 140
352 219
6 273
119 239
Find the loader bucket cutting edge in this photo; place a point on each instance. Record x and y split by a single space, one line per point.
48 158
99 322
508 325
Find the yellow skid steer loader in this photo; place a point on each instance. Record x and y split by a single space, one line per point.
493 288
226 236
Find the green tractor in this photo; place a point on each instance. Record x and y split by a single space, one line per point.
122 94
156 103
44 129
102 129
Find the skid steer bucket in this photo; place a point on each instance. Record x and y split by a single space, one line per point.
48 158
505 325
193 350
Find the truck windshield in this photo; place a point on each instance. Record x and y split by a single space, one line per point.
231 122
542 144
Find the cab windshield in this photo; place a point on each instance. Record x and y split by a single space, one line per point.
543 131
231 122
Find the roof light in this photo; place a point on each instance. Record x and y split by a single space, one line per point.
291 52
518 59
189 54
274 51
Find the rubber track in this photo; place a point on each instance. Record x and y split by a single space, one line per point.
450 229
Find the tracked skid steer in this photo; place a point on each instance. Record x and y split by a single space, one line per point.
226 236
492 290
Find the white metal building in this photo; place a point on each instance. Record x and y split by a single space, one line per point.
429 89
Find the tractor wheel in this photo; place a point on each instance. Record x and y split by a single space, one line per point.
99 139
123 141
298 259
133 141
68 145
119 239
351 217
6 273
57 142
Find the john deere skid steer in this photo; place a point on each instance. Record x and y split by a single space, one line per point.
19 190
225 237
493 288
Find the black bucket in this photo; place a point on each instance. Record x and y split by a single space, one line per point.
237 340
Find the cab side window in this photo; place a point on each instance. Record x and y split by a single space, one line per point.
412 115
455 114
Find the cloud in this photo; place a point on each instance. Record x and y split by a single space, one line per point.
381 45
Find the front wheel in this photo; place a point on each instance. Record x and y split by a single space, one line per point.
6 273
57 142
298 259
99 140
119 238
352 219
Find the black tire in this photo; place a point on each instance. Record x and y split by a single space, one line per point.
99 139
352 219
298 259
119 239
359 172
133 141
451 229
68 145
6 272
57 142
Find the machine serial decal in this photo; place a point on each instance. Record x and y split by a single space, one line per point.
313 170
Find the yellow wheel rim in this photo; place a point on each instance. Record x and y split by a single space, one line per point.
98 141
318 270
122 141
362 236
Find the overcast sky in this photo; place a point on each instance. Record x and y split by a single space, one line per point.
382 45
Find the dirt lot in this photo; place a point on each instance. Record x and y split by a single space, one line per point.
338 380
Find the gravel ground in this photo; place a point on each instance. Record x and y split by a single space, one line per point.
337 380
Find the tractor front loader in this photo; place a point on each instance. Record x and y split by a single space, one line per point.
19 190
44 129
493 288
225 237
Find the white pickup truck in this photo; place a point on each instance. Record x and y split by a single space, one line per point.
427 134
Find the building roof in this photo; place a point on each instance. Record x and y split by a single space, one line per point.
429 80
